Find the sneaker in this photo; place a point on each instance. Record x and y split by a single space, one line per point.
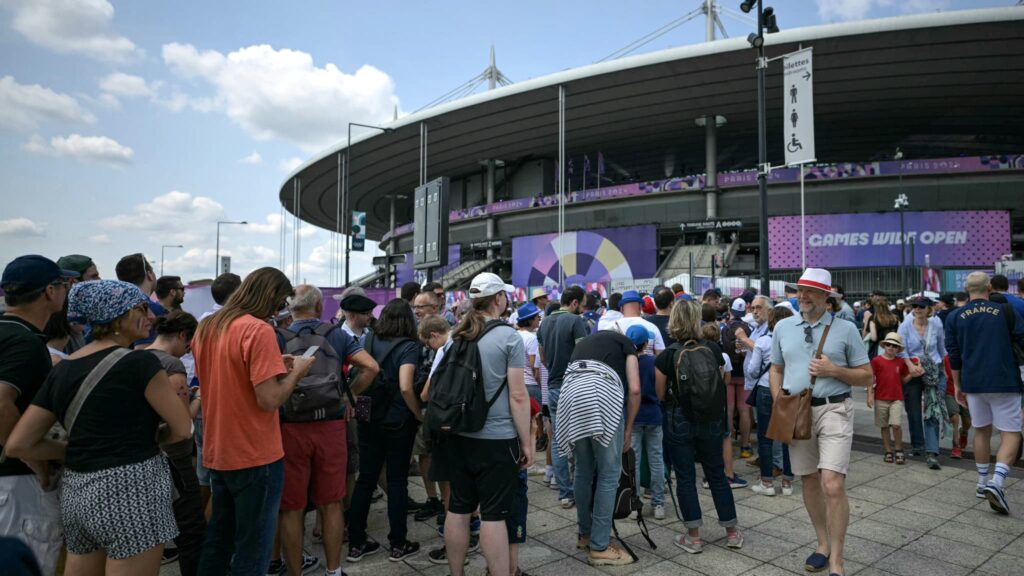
440 556
317 537
377 494
704 484
979 492
170 555
760 488
432 507
309 562
755 463
659 512
996 499
691 545
955 453
963 441
610 556
787 490
646 494
474 544
440 530
736 482
357 553
582 542
746 452
734 540
403 551
553 484
542 444
412 506
933 462
567 503
916 452
535 470
276 567
474 526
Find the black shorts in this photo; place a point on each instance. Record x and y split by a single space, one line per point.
516 523
485 474
440 459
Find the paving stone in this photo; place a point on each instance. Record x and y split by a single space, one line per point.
789 530
896 484
907 519
905 563
863 508
973 535
876 494
566 567
662 538
717 561
946 511
776 505
771 570
883 533
1001 564
1015 548
991 520
746 516
795 559
541 522
761 546
950 551
865 551
667 568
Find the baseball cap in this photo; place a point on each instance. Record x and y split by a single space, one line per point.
26 274
488 284
739 306
76 262
637 335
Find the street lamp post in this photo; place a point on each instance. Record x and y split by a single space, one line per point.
217 256
765 22
901 204
162 255
347 222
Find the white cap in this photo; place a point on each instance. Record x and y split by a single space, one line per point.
739 305
488 284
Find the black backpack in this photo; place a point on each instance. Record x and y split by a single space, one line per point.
383 390
320 393
729 341
698 380
456 401
627 501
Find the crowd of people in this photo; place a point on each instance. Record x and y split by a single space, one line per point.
127 423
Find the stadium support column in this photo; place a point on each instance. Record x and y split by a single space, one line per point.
491 171
711 169
391 241
561 183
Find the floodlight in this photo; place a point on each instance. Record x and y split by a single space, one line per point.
755 40
747 5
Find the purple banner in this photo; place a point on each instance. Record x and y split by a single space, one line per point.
589 256
819 172
956 238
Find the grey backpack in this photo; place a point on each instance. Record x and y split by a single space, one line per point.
320 394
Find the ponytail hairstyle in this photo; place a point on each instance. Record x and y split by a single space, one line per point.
177 322
473 322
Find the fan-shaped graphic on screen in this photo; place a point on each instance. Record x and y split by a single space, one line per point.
588 256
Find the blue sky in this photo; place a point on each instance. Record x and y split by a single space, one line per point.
125 126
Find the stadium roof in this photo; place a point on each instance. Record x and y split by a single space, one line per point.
935 85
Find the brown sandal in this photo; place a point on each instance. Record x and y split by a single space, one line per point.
888 457
901 458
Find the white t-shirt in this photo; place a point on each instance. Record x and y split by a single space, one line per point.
728 363
532 349
621 325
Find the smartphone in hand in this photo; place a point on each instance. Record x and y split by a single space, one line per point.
310 351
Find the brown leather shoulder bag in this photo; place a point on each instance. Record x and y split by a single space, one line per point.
791 414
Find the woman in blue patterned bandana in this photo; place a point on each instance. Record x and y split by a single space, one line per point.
115 495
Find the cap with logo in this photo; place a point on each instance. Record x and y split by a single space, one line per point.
26 274
739 306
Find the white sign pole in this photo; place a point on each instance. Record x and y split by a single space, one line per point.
798 113
803 236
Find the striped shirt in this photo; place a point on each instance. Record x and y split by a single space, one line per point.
590 406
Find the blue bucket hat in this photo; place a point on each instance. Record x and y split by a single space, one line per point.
638 335
527 311
102 301
629 297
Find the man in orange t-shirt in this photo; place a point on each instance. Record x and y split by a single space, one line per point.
245 379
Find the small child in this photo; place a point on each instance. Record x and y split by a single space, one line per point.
647 431
886 395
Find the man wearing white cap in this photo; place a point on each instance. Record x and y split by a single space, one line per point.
822 461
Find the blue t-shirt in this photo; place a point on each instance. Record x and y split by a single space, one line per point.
342 342
650 406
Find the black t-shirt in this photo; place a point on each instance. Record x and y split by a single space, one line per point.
666 364
116 425
610 348
662 323
24 364
407 352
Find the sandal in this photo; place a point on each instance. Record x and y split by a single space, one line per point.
888 458
901 458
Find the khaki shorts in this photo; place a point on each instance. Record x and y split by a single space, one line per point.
420 447
830 443
888 413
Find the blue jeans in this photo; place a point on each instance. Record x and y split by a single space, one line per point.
606 463
703 440
559 463
240 533
651 436
765 445
912 400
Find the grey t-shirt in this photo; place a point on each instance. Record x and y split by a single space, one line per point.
558 335
500 349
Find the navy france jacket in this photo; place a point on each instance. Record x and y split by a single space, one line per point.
978 343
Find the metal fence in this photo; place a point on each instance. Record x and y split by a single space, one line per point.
859 283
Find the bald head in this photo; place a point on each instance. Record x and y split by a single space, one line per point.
308 302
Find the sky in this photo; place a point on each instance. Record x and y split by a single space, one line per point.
129 126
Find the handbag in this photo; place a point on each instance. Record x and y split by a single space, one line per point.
791 414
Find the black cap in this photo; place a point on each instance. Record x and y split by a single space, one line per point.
26 274
922 301
357 303
947 299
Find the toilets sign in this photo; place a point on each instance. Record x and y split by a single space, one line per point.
798 109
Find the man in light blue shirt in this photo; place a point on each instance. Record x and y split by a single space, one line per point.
823 459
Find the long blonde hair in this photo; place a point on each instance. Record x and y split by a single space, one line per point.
261 294
684 323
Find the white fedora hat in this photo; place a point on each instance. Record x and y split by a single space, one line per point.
817 278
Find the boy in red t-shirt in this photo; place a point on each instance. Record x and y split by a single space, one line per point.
959 416
886 394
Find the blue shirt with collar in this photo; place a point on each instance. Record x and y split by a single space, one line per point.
791 350
978 340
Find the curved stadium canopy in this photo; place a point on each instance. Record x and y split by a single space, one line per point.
935 85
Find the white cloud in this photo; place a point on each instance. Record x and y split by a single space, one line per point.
89 148
72 27
124 85
288 164
24 106
21 227
283 94
844 10
273 226
176 214
100 239
252 159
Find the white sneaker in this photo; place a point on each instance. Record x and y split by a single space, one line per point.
567 503
760 488
659 512
787 490
554 483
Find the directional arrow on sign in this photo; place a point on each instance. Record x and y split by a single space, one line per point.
807 75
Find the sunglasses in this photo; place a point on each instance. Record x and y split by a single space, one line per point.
808 335
890 345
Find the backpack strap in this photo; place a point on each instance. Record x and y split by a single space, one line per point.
89 384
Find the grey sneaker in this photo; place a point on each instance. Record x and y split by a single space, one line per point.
691 545
933 462
734 540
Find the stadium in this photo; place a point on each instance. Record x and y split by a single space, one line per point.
926 107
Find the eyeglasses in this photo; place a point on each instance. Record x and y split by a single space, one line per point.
807 335
61 282
757 307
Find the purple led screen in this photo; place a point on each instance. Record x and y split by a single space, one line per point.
590 256
406 273
956 238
